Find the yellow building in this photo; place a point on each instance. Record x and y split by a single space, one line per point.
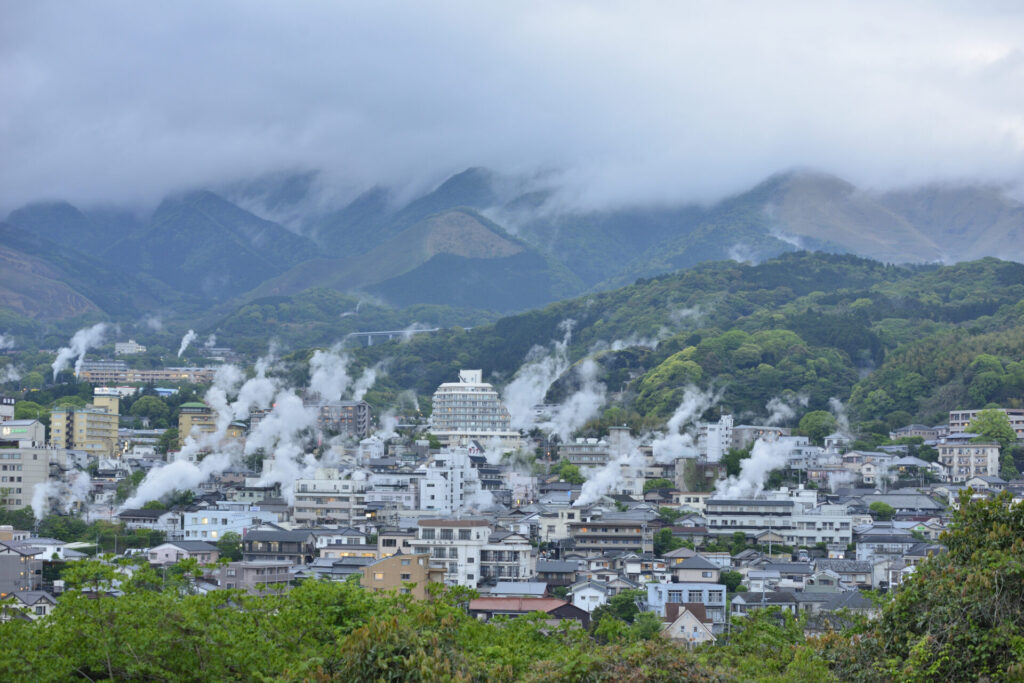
406 574
198 419
92 429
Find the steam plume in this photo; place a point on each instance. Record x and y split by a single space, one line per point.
842 419
535 377
679 441
189 337
781 410
582 406
81 342
764 457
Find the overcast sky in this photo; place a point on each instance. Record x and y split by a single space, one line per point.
632 101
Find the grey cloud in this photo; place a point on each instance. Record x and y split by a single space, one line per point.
633 102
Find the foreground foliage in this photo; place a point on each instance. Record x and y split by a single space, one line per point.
959 616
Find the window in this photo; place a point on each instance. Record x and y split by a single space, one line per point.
405 563
446 534
378 576
406 577
464 534
427 534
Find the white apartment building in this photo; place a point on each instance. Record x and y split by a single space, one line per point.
469 551
210 524
331 496
964 459
128 348
454 545
793 514
715 438
471 410
450 482
21 470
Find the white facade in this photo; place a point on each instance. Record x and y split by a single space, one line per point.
128 348
450 482
455 546
212 523
716 438
331 496
470 409
964 460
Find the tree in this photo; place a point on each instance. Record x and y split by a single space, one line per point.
150 407
730 579
817 424
992 424
230 546
665 542
654 484
733 459
168 439
568 472
881 511
29 410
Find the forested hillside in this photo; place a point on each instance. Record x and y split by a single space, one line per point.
903 342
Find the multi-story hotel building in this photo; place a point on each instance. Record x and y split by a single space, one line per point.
470 410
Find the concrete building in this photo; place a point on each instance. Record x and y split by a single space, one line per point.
710 595
745 435
585 452
196 419
470 410
964 459
405 574
450 482
210 524
118 372
454 546
21 470
715 439
795 515
351 418
258 577
7 408
92 429
604 535
22 434
128 348
331 496
21 567
960 419
294 547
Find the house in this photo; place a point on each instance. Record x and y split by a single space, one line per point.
21 567
519 589
589 595
487 608
167 521
696 570
175 551
296 547
711 595
406 574
332 569
743 603
557 572
255 576
687 624
851 572
29 605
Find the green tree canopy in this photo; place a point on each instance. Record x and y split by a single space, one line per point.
881 511
817 424
991 424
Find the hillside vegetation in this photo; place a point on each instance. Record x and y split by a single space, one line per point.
909 341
